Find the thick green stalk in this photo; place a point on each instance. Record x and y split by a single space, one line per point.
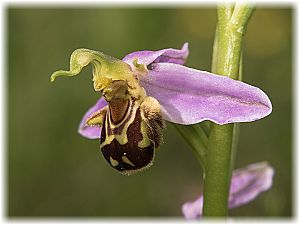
232 22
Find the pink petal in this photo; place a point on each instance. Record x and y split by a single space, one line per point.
193 210
249 182
87 131
177 56
190 96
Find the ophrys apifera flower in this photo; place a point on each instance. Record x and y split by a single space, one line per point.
246 184
148 87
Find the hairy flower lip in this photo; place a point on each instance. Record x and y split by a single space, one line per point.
246 184
189 96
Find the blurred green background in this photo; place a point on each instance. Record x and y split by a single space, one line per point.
54 172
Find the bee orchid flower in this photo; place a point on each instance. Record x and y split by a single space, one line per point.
246 184
145 88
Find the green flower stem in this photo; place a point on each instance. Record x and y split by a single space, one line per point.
232 22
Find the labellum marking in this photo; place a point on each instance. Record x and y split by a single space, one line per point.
145 141
113 162
126 160
119 131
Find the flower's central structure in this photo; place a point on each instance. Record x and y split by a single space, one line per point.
131 123
148 87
